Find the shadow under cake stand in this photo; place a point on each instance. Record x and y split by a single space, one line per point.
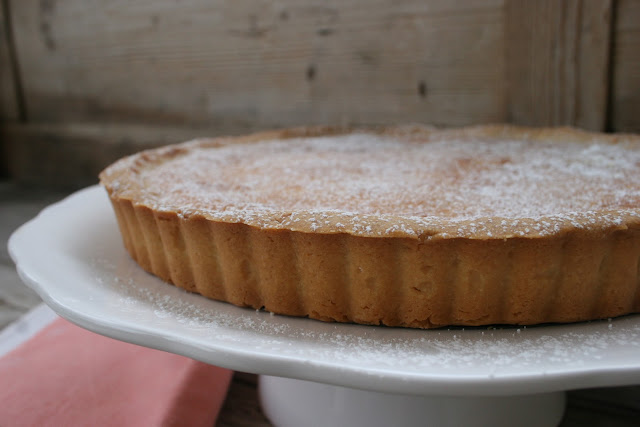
315 373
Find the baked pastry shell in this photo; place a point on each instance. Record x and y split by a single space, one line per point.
421 280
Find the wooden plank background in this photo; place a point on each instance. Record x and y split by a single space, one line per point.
256 64
8 100
558 62
99 79
625 91
8 86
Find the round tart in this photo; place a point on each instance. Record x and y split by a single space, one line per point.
403 226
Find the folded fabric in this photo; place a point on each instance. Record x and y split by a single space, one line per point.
67 376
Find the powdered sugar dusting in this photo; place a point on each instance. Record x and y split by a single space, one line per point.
370 184
502 351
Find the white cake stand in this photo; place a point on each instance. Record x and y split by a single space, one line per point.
315 372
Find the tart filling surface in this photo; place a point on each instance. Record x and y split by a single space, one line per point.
405 226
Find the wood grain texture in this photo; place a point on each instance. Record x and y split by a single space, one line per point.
242 408
557 55
70 155
9 110
91 71
625 93
262 64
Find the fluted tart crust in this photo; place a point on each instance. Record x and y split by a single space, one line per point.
401 226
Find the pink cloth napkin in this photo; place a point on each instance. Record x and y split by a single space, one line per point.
66 375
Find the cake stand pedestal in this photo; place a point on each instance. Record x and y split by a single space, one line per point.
291 403
328 373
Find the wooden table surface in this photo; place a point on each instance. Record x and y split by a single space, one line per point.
614 406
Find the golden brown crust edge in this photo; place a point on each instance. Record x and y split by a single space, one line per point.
571 277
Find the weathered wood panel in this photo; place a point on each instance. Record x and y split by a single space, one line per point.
558 62
8 97
625 93
242 406
262 64
70 156
237 66
9 110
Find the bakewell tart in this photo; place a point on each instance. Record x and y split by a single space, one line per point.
401 226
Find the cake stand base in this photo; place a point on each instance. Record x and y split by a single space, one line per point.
289 402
